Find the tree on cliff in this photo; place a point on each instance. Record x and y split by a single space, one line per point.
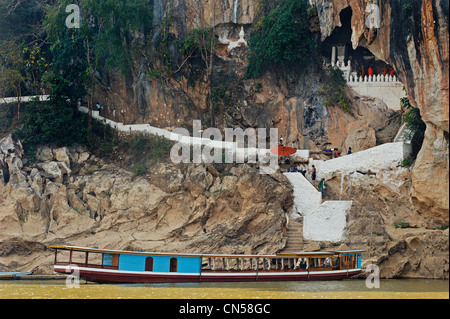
11 70
100 41
201 40
282 38
21 39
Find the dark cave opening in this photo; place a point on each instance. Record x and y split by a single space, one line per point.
361 58
5 173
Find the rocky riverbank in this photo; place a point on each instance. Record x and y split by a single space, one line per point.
70 196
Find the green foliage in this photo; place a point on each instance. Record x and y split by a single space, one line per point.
60 126
6 117
198 43
407 162
197 39
110 35
258 87
219 95
139 169
115 20
407 6
163 50
69 76
416 126
282 38
145 148
46 124
403 224
11 68
19 20
36 65
334 89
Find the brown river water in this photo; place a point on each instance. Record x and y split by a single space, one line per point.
345 289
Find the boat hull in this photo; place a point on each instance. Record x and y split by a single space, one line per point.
118 276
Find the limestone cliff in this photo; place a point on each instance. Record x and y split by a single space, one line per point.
413 37
291 102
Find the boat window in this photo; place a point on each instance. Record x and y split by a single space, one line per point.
173 264
149 264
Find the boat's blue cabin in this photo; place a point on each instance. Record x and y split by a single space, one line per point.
156 263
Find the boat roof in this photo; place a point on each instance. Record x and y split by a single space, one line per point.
280 255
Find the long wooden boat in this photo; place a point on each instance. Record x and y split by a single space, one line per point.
117 266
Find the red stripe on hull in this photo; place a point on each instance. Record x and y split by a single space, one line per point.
122 277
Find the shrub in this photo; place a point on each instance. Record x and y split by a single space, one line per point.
61 126
407 162
334 89
139 169
149 148
282 39
416 126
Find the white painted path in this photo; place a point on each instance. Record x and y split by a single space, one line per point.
322 221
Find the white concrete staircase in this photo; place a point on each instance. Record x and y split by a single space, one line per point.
373 160
322 221
176 137
23 99
306 197
326 221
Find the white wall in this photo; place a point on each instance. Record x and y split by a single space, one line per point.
23 99
389 92
327 222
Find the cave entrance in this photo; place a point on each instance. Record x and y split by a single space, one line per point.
337 51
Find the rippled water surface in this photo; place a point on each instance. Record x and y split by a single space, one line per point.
346 289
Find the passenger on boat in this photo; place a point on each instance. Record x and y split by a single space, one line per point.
303 264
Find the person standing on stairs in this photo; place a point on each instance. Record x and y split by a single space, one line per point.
313 175
336 153
322 185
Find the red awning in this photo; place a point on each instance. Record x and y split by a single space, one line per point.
283 150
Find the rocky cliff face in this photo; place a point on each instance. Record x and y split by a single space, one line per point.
292 102
413 37
398 238
70 196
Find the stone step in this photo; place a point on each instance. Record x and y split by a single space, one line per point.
294 245
294 234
